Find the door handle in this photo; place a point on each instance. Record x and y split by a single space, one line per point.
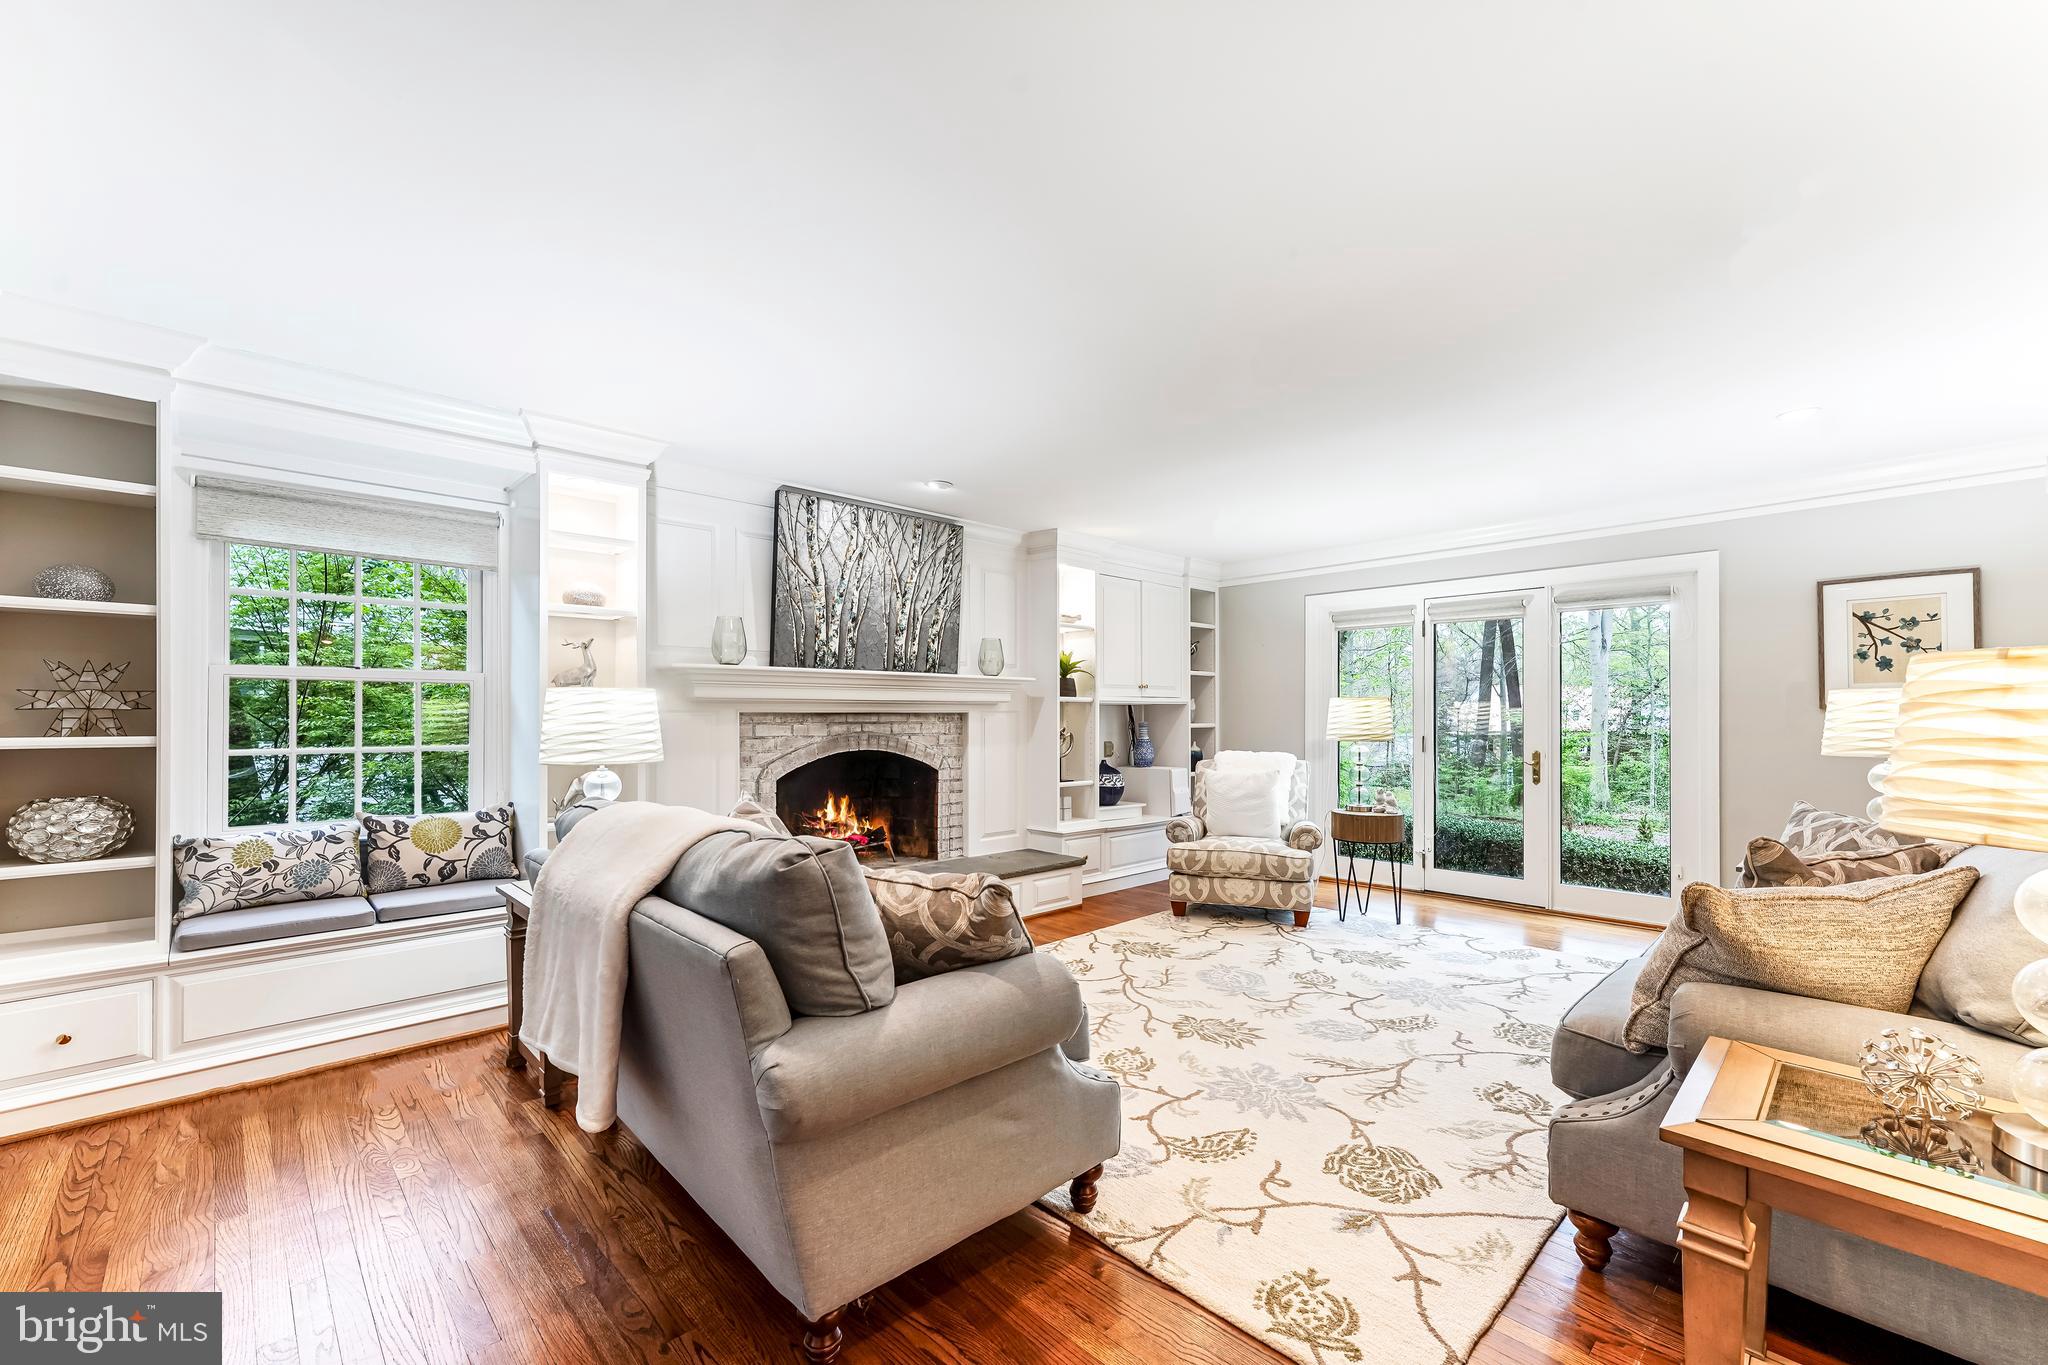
1536 768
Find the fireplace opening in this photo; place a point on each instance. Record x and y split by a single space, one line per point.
884 804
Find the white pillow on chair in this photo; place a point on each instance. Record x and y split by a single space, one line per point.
1248 803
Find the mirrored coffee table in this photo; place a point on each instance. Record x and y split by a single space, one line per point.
1765 1130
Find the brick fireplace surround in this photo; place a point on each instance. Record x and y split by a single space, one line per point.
776 742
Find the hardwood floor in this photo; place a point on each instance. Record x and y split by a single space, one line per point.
424 1207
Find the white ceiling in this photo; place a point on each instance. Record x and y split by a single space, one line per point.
1223 277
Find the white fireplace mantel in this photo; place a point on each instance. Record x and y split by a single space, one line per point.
840 689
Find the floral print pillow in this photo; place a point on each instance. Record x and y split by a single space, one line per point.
430 850
265 867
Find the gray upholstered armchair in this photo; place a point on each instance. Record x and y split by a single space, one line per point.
838 1152
1274 872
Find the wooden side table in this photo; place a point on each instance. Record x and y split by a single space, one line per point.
1383 835
518 908
1765 1130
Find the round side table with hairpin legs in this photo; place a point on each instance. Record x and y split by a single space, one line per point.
1382 835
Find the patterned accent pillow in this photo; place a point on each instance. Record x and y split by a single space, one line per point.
938 921
432 850
1810 830
1859 944
254 867
1770 863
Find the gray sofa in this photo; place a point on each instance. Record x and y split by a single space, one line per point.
842 1147
1611 1170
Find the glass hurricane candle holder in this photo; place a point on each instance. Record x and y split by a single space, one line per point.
729 640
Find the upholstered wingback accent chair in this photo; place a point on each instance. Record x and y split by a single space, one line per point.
1271 872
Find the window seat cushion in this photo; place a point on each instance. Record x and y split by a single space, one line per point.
226 928
417 902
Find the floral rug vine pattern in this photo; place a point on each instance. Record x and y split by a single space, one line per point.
1333 1137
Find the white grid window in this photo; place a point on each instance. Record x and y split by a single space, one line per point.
351 683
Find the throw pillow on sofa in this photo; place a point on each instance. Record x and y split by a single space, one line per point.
1770 863
431 850
937 921
255 867
1859 944
805 902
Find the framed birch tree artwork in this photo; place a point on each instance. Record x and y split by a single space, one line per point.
863 586
1870 628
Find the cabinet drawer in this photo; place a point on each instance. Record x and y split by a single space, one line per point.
1087 847
53 1035
209 1007
1133 850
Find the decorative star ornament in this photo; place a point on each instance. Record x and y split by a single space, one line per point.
84 699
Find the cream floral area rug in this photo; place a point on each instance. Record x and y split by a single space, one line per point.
1334 1137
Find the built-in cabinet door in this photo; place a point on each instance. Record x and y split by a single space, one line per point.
1119 639
1165 643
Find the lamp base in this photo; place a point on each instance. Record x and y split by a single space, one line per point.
601 784
2022 1139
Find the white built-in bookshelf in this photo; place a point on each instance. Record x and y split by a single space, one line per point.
78 485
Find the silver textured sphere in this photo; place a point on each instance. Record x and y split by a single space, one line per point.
75 583
69 829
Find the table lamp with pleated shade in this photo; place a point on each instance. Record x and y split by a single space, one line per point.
1970 765
1363 720
600 726
1861 721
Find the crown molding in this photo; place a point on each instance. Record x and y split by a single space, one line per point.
580 438
74 331
2005 462
85 402
285 381
275 433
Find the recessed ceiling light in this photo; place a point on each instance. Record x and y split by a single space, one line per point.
1798 414
939 485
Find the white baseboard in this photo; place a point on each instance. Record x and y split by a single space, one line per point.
146 1091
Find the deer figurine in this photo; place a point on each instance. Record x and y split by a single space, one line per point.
577 675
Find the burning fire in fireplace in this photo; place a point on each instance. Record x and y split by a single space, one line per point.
837 819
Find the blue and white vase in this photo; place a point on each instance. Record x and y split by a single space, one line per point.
1109 784
1142 752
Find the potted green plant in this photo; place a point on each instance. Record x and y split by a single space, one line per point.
1070 668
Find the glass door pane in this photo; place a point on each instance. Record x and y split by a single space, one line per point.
1479 826
1379 661
1614 712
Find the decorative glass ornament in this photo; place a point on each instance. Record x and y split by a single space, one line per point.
69 829
2030 993
729 640
991 658
74 583
1917 1076
2030 1083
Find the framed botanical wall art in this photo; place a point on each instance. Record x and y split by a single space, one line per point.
1870 628
858 585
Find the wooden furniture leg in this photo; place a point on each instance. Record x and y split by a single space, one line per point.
551 1078
1301 919
1180 908
1594 1240
823 1338
1082 1192
1725 1241
515 989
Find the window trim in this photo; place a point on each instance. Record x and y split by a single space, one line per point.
486 693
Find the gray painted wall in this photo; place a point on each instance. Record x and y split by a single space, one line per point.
1770 722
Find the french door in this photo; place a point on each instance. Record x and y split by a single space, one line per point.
1556 736
1484 744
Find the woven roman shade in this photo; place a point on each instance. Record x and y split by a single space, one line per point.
1970 762
322 519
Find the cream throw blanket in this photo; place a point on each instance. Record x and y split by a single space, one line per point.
576 938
